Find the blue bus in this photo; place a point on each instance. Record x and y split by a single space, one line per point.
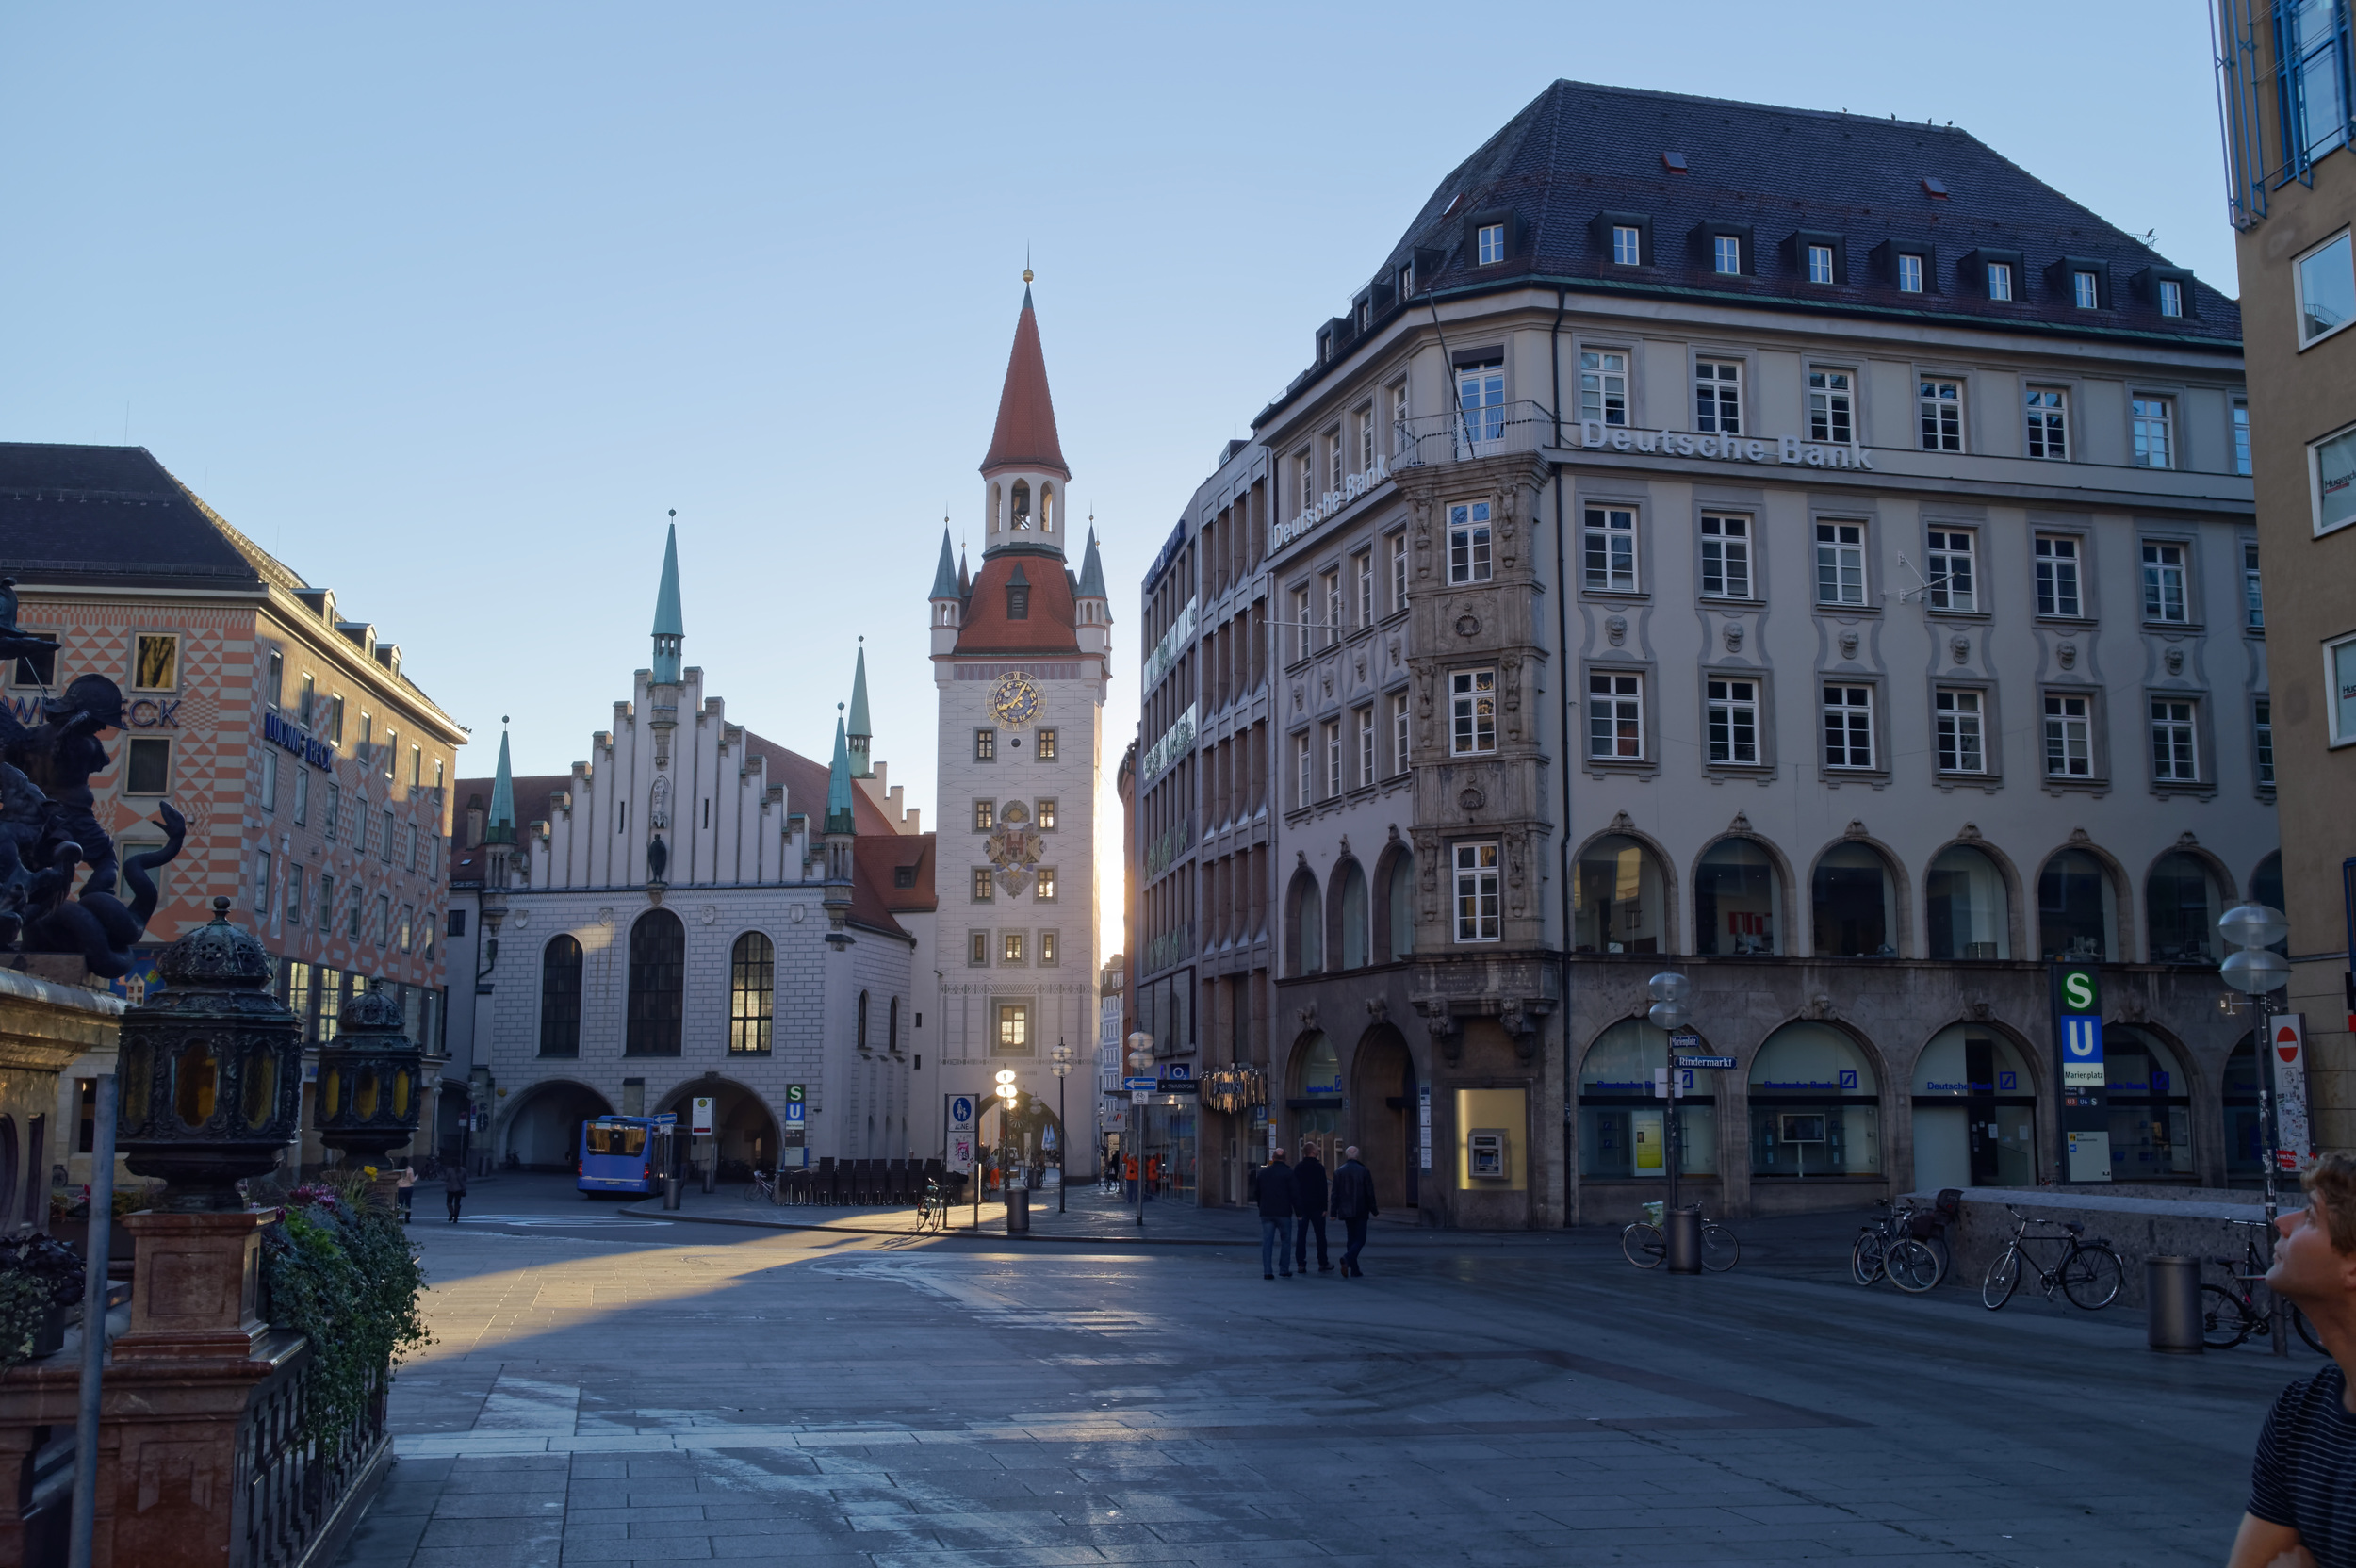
617 1154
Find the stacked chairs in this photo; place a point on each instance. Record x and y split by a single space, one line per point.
823 1182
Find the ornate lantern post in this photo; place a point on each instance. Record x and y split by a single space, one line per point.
211 1070
368 1093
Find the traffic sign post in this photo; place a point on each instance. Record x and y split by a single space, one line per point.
2084 1153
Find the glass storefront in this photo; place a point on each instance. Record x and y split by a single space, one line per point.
2151 1108
1313 1109
1169 1147
1974 1113
1815 1106
1621 1128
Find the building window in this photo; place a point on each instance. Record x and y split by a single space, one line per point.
384 920
1477 892
336 720
1480 400
1848 726
1840 562
2327 290
1045 884
977 950
2163 583
1910 274
1044 744
1043 813
1615 717
985 746
1399 733
1334 458
416 766
270 781
385 839
1333 737
1398 572
1957 718
294 896
1010 947
1726 254
1718 397
2241 440
2069 737
1332 582
2174 757
2150 419
2056 574
1304 791
1725 557
985 816
984 889
2339 677
1365 745
1607 549
1829 408
335 811
752 992
1491 237
2000 280
357 913
2253 609
1400 436
391 752
1472 712
1047 947
35 669
1301 623
1362 573
1468 542
1014 1029
559 997
326 903
1952 586
2171 296
1941 408
2263 714
306 699
261 882
1365 437
1627 245
156 662
1603 387
408 916
2049 422
1732 716
1306 467
146 765
1820 263
276 686
2083 291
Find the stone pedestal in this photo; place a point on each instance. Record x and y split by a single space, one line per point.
197 1287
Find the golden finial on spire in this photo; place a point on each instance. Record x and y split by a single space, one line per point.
1026 275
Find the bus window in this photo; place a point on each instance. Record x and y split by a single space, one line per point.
616 1140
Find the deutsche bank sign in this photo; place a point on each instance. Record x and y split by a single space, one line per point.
2082 1049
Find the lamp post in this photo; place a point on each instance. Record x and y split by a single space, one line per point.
1007 1094
1141 1060
2256 971
1061 1055
1668 991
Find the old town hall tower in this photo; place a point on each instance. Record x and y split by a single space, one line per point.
1021 652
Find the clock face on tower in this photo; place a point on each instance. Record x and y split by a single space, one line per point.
1014 700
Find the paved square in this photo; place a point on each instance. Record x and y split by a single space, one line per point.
610 1389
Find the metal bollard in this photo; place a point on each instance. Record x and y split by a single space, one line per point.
1683 1234
1018 1211
2172 1287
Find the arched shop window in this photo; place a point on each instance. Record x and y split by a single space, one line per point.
1621 1127
1308 914
1974 1112
1353 916
1738 899
2245 1122
2180 910
1315 1101
1815 1106
1616 903
2149 1102
1857 907
1970 917
2077 909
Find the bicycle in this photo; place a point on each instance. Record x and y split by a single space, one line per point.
2088 1272
1894 1247
1644 1245
2229 1316
763 1186
933 1213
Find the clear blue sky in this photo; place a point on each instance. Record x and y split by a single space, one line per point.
448 305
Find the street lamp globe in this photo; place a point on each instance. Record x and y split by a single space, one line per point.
2254 971
2253 925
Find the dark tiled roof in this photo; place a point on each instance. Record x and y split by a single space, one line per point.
100 515
1580 151
532 805
1024 436
1048 627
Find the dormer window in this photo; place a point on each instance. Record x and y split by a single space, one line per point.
1726 251
1406 280
1999 280
1017 595
1491 237
1910 273
1820 263
2171 296
1627 245
2083 290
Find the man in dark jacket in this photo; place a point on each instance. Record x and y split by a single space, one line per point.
454 1187
1309 1209
1272 1184
1354 1205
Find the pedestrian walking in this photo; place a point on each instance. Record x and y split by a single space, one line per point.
2302 1484
1309 1208
405 1190
1354 1205
453 1187
1272 1184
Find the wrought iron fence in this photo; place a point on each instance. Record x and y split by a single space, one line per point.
292 1485
1467 433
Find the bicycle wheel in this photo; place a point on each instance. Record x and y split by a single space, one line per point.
2004 1278
1865 1258
2091 1276
1913 1268
1641 1244
2225 1322
1721 1249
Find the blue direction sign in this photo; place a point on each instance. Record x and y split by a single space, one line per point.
1146 1083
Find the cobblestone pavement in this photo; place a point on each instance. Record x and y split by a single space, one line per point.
608 1389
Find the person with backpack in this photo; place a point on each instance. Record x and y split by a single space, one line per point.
1309 1208
1272 1186
1354 1205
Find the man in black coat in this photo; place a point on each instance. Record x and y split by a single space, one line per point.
1354 1205
1309 1209
1272 1186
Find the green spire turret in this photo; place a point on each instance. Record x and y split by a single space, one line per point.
861 733
670 626
840 818
500 829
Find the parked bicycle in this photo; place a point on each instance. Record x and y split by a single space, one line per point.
2089 1272
933 1213
2232 1315
1906 1244
1644 1245
764 1187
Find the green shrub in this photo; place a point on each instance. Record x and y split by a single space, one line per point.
24 1302
340 1272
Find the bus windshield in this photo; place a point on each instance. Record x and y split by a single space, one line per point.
616 1140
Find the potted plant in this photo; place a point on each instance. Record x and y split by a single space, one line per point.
40 1285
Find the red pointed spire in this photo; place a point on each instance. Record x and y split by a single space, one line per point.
1026 437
